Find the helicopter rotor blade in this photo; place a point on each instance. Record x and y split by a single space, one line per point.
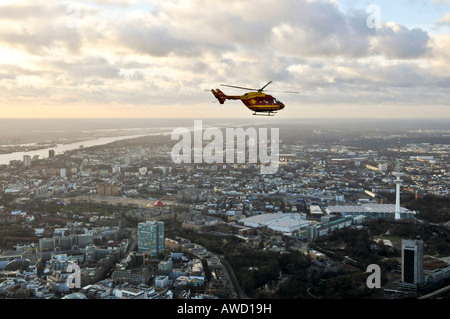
262 89
283 91
239 87
258 90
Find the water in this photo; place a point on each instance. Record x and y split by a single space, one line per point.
61 148
41 130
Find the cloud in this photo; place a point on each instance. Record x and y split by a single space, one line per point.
167 52
396 41
87 67
38 29
445 20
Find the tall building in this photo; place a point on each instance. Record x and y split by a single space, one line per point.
151 237
26 160
412 261
51 153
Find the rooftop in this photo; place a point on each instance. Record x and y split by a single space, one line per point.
366 208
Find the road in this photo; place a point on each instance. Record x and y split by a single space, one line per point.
237 292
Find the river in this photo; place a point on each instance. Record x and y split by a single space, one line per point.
85 125
61 148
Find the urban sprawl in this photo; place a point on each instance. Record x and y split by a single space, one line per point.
122 221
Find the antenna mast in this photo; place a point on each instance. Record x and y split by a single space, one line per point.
398 183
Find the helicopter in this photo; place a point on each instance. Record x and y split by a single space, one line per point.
257 101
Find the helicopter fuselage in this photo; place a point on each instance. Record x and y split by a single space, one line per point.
257 102
261 102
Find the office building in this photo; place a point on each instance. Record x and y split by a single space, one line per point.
412 262
47 244
84 240
26 160
133 276
151 237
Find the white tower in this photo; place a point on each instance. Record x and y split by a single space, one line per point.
398 183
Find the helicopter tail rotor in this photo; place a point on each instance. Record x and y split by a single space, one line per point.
219 95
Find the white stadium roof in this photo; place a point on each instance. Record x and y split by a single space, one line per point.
280 222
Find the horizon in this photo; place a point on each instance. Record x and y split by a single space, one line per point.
226 118
19 126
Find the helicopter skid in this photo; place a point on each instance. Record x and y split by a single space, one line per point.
268 114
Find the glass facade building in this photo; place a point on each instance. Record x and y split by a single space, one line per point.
151 237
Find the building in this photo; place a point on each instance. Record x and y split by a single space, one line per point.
285 223
165 265
96 291
133 276
370 211
51 153
107 189
162 281
151 237
315 210
94 253
438 275
382 167
41 191
115 169
47 244
26 160
327 225
5 260
84 240
412 262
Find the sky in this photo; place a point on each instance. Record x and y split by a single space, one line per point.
160 58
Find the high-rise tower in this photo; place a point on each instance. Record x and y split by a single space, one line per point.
151 237
412 261
398 182
27 160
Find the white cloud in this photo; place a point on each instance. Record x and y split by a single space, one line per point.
445 20
168 52
396 41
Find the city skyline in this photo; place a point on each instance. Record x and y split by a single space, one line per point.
125 59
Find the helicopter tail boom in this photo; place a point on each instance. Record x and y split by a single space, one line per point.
222 97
